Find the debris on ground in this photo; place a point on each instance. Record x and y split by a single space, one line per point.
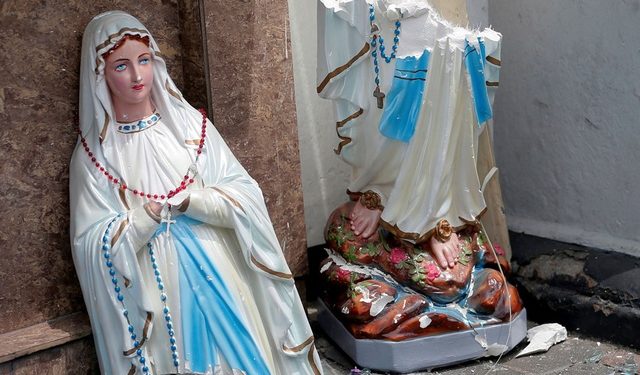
624 362
542 337
357 371
595 357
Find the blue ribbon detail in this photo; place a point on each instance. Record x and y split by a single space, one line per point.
402 105
210 322
474 61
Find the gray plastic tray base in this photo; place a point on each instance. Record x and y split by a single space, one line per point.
422 353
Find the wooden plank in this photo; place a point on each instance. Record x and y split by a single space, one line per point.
42 336
494 220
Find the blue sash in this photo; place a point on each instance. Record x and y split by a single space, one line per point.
404 100
210 322
474 60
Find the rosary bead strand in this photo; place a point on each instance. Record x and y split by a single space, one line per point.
377 44
165 310
116 287
187 180
378 40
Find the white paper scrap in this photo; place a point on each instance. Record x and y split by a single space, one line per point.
542 337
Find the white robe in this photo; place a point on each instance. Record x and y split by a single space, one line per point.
433 176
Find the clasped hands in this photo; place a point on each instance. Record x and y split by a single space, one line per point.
177 205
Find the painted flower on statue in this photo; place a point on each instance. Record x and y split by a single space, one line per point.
499 249
398 256
343 275
432 271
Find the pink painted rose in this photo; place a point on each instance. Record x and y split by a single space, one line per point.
432 271
398 255
499 249
343 274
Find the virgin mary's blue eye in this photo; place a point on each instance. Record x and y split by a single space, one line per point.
121 67
144 61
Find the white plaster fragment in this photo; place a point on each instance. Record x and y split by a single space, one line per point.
366 296
542 337
496 349
366 271
490 350
396 318
424 321
325 267
482 341
379 304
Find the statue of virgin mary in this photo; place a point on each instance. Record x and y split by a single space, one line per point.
413 150
177 258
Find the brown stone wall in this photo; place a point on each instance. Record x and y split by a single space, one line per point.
194 60
74 358
39 57
251 74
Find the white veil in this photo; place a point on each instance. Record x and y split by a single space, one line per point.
101 34
96 110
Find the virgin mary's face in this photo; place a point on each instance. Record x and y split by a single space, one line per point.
129 73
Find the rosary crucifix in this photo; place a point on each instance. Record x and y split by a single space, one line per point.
379 96
166 216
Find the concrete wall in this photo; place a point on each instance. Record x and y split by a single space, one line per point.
324 176
566 122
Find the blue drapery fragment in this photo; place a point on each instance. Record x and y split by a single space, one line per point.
404 100
474 60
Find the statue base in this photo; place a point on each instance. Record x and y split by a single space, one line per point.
424 353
